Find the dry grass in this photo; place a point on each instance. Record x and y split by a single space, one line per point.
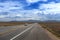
12 23
53 27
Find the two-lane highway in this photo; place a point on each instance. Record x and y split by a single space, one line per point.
31 32
7 34
36 33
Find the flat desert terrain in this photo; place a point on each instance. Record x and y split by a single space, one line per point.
53 27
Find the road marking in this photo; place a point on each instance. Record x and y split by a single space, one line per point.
20 33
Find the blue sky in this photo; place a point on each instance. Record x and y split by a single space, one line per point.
29 10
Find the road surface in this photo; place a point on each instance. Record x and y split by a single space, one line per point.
21 32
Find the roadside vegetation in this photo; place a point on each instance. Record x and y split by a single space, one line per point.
12 23
53 27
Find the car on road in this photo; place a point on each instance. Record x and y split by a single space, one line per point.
26 24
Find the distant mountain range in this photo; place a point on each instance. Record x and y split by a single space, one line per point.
31 21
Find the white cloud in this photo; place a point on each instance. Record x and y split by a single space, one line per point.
33 1
2 16
23 14
15 9
50 8
7 6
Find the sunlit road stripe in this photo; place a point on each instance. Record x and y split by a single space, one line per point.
20 33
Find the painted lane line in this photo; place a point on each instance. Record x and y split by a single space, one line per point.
20 33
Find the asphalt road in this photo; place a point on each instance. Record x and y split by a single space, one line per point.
29 32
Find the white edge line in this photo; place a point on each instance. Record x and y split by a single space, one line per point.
20 33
